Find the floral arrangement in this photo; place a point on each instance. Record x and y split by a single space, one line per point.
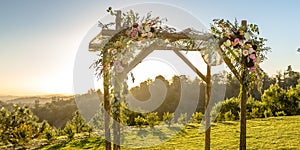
242 45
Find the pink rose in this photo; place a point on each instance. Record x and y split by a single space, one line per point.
134 29
252 69
134 34
117 63
252 56
127 32
236 40
120 69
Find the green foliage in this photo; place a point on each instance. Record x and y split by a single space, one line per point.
197 117
168 118
152 119
57 112
268 113
229 116
139 121
69 131
19 126
182 119
49 135
274 98
280 113
79 123
230 107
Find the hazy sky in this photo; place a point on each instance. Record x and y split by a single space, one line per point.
39 39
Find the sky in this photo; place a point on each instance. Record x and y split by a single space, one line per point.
40 41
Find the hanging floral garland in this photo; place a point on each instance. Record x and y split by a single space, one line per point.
242 45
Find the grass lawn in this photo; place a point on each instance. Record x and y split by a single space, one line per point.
269 133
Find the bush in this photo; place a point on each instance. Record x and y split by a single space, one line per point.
182 119
274 99
280 113
229 116
268 113
197 117
50 134
139 121
255 113
152 119
168 118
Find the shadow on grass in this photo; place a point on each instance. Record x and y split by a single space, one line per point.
142 133
158 133
228 123
82 143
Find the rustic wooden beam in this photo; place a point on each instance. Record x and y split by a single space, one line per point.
190 65
230 65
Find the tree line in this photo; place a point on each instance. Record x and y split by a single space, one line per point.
280 96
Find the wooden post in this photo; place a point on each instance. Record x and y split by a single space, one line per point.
118 20
106 107
207 110
116 113
117 100
243 104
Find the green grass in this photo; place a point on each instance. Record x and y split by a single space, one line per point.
269 133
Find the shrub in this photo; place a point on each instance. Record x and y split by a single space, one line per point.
139 121
280 113
268 113
229 116
152 119
182 119
168 118
197 117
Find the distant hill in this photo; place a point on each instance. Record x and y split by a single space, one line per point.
31 99
5 98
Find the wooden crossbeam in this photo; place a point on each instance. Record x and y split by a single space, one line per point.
190 65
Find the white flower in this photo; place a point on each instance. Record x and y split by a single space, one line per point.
247 36
245 52
227 43
147 28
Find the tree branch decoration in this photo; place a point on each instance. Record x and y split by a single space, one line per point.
241 44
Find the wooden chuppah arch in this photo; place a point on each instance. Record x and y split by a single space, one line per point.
184 41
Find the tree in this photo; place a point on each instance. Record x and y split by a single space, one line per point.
79 123
69 130
275 99
19 126
292 106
